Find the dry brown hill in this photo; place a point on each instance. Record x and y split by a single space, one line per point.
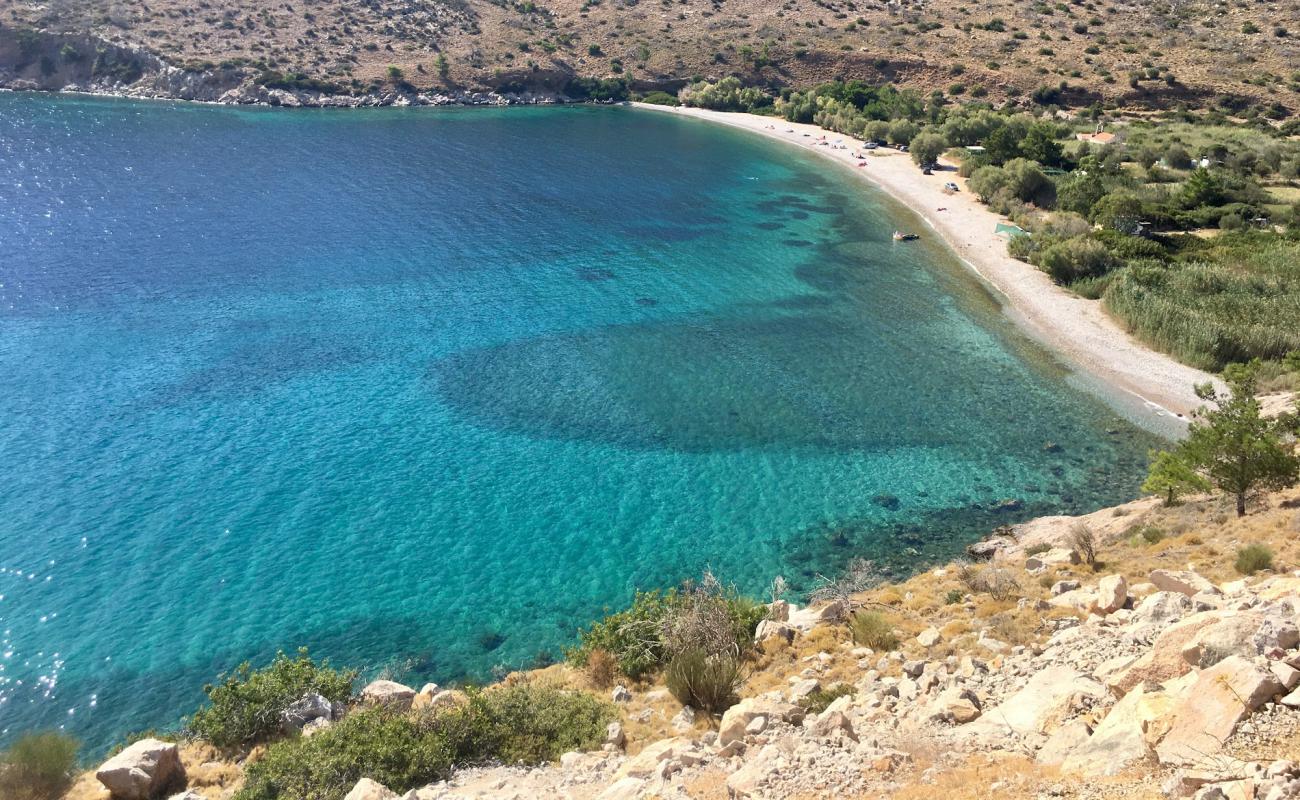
1138 53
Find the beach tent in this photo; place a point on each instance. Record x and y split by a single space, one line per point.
1010 231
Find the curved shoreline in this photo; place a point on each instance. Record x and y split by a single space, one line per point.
1077 329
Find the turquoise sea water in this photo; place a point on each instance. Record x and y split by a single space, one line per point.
425 390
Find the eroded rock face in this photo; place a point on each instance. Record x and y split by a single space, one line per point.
144 770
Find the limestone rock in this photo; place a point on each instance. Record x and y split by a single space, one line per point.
1123 739
771 629
431 697
1112 594
1221 697
735 719
1164 661
623 789
929 637
621 694
1232 634
1063 741
614 735
1061 587
145 769
367 789
309 708
388 693
1182 581
955 705
745 782
645 763
1055 557
1045 699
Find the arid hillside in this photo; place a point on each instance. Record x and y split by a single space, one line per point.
1142 53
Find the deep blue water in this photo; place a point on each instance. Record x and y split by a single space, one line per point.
425 390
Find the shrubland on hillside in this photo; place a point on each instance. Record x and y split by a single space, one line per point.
1235 55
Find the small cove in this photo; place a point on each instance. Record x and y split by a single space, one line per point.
426 390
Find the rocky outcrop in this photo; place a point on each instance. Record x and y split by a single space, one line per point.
144 770
389 694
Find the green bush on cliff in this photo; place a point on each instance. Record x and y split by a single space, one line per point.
518 724
37 766
246 704
660 625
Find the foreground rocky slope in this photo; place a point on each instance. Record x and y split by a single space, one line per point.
1154 671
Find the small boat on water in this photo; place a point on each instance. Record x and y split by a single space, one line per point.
899 236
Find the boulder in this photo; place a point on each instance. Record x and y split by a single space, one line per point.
1161 608
929 637
771 629
955 705
1124 737
614 735
1275 632
806 619
145 769
310 707
804 688
1205 717
645 763
389 694
1182 581
745 782
1231 635
367 789
1063 741
1055 557
1061 587
1044 700
1286 675
1164 661
438 698
778 611
621 694
1112 594
737 718
623 789
1078 599
832 724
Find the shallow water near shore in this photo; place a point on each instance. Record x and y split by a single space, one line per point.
425 390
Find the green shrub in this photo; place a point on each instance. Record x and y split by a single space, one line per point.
519 724
953 597
870 629
705 682
817 702
246 704
659 98
659 625
1252 558
1077 258
37 766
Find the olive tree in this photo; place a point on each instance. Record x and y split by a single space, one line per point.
927 146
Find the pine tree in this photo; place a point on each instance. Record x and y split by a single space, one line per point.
1236 449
